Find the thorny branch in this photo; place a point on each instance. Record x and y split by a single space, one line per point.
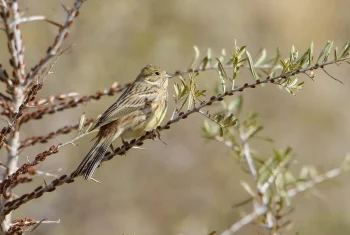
20 87
45 138
9 14
56 46
70 103
38 192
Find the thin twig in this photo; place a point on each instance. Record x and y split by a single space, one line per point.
214 67
259 211
30 141
72 103
54 49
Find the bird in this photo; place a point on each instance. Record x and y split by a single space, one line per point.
141 108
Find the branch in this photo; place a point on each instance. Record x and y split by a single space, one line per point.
55 47
19 103
262 210
74 102
259 211
52 99
116 88
16 227
201 69
30 141
5 78
38 192
10 15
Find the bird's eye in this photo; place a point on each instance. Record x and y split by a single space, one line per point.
157 73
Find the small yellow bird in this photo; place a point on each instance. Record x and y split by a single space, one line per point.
139 109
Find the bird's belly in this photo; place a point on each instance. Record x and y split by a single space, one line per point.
148 125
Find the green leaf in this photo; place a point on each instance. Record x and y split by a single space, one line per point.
209 130
219 117
229 121
241 51
249 190
292 54
326 50
183 82
176 89
284 65
81 123
207 59
222 75
267 139
221 132
223 55
336 54
196 56
345 50
251 66
310 54
261 58
199 93
274 69
301 61
235 105
256 131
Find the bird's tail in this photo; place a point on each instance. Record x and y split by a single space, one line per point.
93 159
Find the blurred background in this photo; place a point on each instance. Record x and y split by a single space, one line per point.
190 185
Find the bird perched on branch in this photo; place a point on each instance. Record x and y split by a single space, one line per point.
139 109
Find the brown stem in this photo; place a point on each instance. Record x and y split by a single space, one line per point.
30 141
38 192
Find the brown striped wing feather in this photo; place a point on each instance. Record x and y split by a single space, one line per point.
133 99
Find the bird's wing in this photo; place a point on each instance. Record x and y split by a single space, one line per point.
133 99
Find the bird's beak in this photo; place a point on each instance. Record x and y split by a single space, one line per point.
169 75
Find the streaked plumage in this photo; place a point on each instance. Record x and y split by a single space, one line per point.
139 109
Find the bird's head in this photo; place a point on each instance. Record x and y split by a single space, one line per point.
154 75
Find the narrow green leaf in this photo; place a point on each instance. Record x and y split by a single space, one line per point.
341 51
221 132
247 187
183 83
274 69
223 54
336 54
327 53
222 74
292 54
310 54
326 49
284 64
345 50
241 51
261 58
176 89
207 59
196 56
235 106
81 123
251 66
219 117
256 131
303 57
